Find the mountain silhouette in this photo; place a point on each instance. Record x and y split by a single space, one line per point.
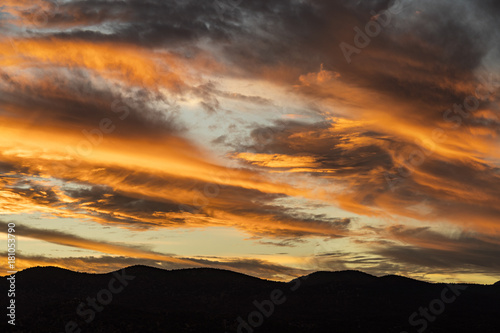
147 299
344 277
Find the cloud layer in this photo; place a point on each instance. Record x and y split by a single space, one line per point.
373 123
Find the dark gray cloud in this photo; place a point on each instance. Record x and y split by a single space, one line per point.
371 170
462 252
420 57
68 99
424 252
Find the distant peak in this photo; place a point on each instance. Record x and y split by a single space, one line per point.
347 276
341 273
398 279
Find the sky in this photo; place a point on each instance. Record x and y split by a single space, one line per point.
269 137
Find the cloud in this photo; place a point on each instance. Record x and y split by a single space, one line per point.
418 252
459 252
104 106
379 173
66 239
145 199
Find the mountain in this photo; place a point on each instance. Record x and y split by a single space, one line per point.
342 277
146 299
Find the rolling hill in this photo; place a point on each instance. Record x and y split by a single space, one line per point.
146 299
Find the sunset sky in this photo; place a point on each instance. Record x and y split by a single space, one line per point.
269 137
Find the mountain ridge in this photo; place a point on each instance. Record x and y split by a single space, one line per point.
149 299
341 275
